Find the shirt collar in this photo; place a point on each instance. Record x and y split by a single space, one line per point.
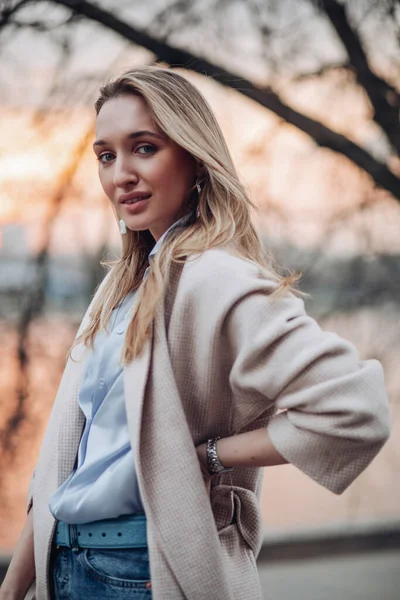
182 222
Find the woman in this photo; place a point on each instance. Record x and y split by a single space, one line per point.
221 373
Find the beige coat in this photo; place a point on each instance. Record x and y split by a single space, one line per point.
223 358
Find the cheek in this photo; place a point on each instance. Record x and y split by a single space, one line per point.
174 177
106 179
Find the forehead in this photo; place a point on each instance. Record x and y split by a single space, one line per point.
123 115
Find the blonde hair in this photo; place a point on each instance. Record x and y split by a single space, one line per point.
222 210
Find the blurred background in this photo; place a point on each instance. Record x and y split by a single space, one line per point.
307 95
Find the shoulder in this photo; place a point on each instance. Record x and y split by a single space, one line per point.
221 268
218 279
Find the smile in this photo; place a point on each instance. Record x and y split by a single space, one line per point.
134 200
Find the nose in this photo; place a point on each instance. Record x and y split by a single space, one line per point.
123 173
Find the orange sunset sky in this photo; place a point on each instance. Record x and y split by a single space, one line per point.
284 171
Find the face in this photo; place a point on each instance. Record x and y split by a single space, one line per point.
146 175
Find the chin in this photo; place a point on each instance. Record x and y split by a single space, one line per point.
137 223
135 227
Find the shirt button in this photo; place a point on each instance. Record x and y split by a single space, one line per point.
102 383
120 329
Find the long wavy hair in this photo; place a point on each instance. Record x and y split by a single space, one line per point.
221 212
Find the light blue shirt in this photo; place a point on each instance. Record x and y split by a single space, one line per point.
104 482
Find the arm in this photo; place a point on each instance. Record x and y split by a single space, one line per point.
21 572
334 414
332 410
250 449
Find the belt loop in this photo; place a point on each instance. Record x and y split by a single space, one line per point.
73 538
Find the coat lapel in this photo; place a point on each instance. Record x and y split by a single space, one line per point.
72 418
184 540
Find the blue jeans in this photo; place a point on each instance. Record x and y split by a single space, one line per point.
102 574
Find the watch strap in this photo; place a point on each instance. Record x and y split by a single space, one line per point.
214 465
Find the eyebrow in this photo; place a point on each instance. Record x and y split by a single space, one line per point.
131 136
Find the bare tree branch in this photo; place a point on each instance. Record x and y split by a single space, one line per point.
340 66
384 98
176 57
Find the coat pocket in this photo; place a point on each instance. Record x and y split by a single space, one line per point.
234 505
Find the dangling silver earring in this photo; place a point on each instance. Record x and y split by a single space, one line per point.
122 227
198 188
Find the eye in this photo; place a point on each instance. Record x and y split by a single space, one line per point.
151 146
105 157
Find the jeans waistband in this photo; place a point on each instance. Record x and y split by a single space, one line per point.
127 531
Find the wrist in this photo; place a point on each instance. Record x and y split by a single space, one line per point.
201 450
214 463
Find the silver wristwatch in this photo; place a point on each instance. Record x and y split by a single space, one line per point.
214 465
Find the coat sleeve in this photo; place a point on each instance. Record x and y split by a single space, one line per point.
332 409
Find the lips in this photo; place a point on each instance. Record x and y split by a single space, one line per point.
133 198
